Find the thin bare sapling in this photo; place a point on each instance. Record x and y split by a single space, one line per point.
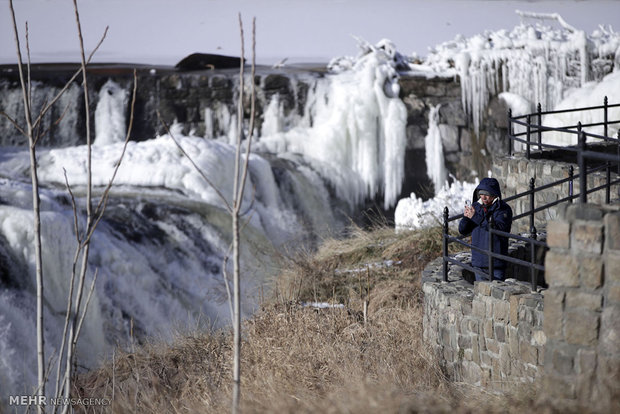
234 208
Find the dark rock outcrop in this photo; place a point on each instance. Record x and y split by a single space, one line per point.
202 61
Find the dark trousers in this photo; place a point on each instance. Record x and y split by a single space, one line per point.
498 274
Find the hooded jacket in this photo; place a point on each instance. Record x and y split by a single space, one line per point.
478 225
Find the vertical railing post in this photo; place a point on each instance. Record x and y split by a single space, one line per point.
491 267
445 244
528 137
533 272
607 183
539 110
533 232
605 122
618 151
607 164
532 199
510 143
571 179
581 161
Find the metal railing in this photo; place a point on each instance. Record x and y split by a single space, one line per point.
582 155
581 150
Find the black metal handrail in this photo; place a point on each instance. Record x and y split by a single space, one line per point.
582 155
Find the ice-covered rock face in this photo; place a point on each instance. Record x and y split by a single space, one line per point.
536 61
353 129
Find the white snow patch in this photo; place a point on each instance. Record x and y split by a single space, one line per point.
414 213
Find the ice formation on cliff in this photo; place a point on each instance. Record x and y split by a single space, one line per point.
537 60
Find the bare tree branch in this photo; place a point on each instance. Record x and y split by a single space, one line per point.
252 200
252 115
76 313
20 66
63 342
71 80
90 293
198 169
74 206
15 124
236 190
226 279
55 123
239 187
227 257
29 80
83 248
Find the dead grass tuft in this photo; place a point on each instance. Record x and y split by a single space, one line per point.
159 377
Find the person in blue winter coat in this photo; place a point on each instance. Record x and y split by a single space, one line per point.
487 201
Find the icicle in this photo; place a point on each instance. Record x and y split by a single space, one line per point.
435 164
208 123
273 117
537 62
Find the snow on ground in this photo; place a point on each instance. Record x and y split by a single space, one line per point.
591 94
414 213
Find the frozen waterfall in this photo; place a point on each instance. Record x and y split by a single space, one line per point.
352 133
159 250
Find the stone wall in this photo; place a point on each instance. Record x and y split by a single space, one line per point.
582 308
488 334
565 337
420 94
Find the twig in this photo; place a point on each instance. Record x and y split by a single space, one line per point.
252 110
74 206
15 124
253 198
225 276
71 80
29 80
90 293
198 169
56 122
65 330
237 189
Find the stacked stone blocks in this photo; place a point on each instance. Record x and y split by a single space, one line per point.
582 308
488 334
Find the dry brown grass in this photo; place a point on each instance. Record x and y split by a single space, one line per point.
342 271
300 359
